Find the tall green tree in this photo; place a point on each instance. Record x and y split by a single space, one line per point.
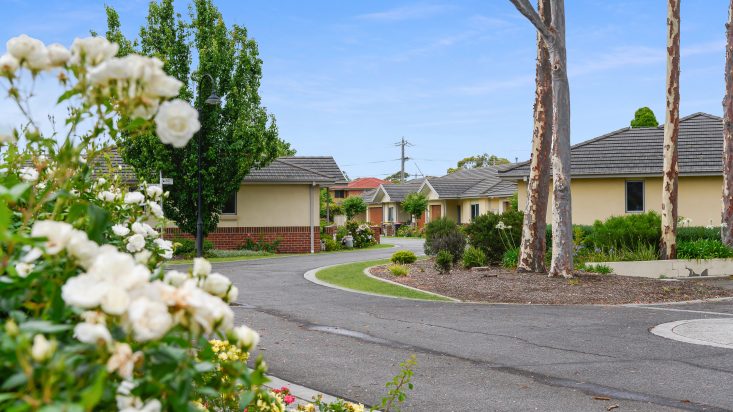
482 160
239 134
353 206
644 117
415 204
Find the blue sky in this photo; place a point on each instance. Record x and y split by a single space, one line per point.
456 78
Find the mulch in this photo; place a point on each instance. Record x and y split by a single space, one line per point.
509 286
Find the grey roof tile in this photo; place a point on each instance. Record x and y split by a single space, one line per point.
472 183
286 170
325 165
398 191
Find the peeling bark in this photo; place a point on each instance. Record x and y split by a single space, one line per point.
533 244
562 225
668 242
727 215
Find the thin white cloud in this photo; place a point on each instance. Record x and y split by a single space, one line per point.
491 86
418 11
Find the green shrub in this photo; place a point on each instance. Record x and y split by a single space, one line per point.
444 234
626 232
341 232
510 258
403 257
474 257
331 245
685 234
494 233
703 249
398 270
187 247
409 231
261 244
362 234
236 253
443 261
602 269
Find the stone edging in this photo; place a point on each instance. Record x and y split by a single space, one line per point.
302 393
311 276
368 272
666 330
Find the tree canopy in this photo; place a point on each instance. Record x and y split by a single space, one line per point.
644 117
477 161
415 204
239 134
395 177
353 205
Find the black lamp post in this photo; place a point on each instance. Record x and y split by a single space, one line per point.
212 100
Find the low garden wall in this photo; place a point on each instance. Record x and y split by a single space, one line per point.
293 239
679 268
331 230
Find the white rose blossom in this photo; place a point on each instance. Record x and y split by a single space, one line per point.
29 50
201 267
56 233
155 209
93 50
246 337
123 360
135 243
42 349
233 294
120 230
143 256
217 284
24 269
92 333
106 196
176 123
149 319
83 249
154 192
175 278
28 174
8 65
134 198
115 301
58 54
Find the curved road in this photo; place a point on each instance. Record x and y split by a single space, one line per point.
475 357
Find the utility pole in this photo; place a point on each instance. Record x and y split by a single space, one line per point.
402 143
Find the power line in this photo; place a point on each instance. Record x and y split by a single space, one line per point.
402 143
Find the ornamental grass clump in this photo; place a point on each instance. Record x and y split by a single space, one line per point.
443 261
474 257
90 318
403 257
398 270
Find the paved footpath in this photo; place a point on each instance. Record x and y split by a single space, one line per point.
477 357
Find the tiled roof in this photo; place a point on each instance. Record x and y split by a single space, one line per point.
287 170
398 191
363 183
109 162
325 165
638 152
472 183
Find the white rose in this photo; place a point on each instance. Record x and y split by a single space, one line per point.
28 174
176 123
134 198
58 54
209 312
24 47
201 267
144 229
146 109
83 249
93 50
115 301
120 230
168 254
8 64
24 269
31 254
84 291
123 360
101 181
92 333
106 196
56 233
42 349
143 257
233 294
154 192
175 278
39 61
93 316
246 337
217 284
163 85
112 69
118 269
155 209
149 319
135 243
163 244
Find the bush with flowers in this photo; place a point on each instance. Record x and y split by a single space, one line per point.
89 319
361 233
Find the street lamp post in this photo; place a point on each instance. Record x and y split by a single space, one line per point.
212 100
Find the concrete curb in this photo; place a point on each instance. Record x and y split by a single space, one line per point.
367 272
667 330
303 394
311 277
681 302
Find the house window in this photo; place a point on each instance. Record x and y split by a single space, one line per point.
635 196
474 211
230 207
459 214
339 194
390 214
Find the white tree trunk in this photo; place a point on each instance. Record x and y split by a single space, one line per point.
727 217
533 245
668 243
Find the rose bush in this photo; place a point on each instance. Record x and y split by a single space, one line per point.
90 320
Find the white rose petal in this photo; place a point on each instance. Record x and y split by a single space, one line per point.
31 254
8 64
201 267
175 278
83 249
24 47
217 284
163 244
93 50
24 269
135 198
233 294
28 174
143 257
149 319
120 230
115 301
42 349
92 333
56 233
154 192
123 360
135 243
84 291
163 85
155 209
58 54
106 196
246 337
176 123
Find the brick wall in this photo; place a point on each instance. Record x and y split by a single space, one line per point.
293 239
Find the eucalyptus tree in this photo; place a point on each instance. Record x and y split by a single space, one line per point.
727 218
562 226
240 134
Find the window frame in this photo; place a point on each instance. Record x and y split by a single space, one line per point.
478 211
390 214
336 193
626 195
235 207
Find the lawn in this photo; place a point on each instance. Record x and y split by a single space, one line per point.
352 276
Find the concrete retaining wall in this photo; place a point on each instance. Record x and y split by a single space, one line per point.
672 268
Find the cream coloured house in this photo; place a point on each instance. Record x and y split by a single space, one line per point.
621 173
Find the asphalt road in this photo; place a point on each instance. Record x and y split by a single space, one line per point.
476 357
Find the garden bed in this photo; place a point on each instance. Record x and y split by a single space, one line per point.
500 285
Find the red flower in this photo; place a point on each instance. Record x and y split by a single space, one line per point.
289 399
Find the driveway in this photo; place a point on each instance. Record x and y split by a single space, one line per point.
476 356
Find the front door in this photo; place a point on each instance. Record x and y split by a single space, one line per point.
375 215
434 212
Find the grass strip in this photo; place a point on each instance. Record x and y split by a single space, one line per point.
351 276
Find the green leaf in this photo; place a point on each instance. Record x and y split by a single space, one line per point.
67 95
42 326
203 367
91 395
16 192
98 219
14 381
